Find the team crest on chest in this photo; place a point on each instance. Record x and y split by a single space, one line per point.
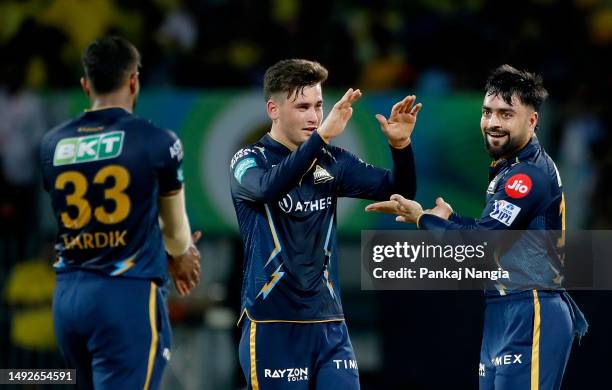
321 175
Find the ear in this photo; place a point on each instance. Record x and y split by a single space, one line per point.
134 83
85 86
272 108
533 120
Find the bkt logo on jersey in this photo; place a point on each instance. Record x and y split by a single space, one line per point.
518 186
287 204
89 148
505 212
291 374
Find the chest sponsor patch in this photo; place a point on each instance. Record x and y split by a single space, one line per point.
505 212
518 186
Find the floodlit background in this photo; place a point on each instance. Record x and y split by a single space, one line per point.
203 64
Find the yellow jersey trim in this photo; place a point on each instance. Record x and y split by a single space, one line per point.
535 346
245 312
253 359
154 335
277 246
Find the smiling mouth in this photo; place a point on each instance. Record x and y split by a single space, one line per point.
496 135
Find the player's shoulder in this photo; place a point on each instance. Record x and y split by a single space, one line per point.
146 127
250 152
527 180
537 164
533 171
55 134
157 139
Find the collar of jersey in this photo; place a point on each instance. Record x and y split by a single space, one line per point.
274 145
102 112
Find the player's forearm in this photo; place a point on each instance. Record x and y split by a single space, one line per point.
433 222
273 183
403 177
458 219
174 224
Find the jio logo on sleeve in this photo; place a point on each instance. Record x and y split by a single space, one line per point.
518 186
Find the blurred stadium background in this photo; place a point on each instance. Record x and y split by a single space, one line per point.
203 63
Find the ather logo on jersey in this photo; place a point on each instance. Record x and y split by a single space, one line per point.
518 186
90 148
288 205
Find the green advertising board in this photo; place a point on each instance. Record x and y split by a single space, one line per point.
213 125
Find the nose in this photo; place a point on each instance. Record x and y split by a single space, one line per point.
493 122
312 117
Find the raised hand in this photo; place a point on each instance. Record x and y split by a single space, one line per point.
398 128
339 116
185 269
406 210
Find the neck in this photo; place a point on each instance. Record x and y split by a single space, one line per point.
279 137
117 99
518 150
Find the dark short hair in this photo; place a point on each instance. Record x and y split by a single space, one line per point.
107 61
506 81
292 76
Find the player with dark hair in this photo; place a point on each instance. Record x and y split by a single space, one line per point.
285 189
530 321
113 179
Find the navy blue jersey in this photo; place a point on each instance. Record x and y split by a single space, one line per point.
285 203
104 171
524 193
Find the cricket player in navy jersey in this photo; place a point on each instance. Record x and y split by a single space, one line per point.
116 189
285 189
528 332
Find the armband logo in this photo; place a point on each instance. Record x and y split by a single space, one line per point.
242 167
239 154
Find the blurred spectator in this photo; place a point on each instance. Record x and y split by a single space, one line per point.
176 37
84 21
21 129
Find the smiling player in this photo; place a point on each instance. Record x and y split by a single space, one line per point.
285 189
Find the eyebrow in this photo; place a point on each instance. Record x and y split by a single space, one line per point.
502 110
306 104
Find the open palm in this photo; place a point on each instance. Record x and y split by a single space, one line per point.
398 128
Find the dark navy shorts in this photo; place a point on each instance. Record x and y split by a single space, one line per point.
526 341
114 331
281 355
